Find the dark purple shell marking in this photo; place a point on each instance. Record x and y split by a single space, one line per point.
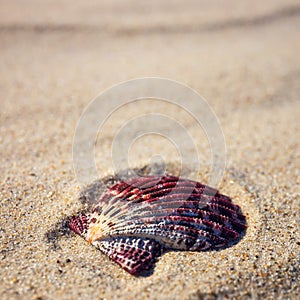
136 220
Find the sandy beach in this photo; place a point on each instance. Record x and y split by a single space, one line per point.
56 57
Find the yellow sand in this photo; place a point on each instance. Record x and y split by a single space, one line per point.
56 56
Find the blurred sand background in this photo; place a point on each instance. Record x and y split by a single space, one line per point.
56 56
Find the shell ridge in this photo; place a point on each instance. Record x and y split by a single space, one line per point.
180 205
197 228
131 253
199 215
155 215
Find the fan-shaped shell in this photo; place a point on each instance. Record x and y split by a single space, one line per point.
148 214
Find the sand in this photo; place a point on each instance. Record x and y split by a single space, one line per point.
243 58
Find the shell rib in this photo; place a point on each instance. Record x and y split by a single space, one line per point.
136 220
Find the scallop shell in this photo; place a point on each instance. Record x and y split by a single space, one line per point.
135 221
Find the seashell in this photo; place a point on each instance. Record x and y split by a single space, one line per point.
137 220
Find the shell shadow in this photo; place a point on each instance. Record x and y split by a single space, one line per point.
90 194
